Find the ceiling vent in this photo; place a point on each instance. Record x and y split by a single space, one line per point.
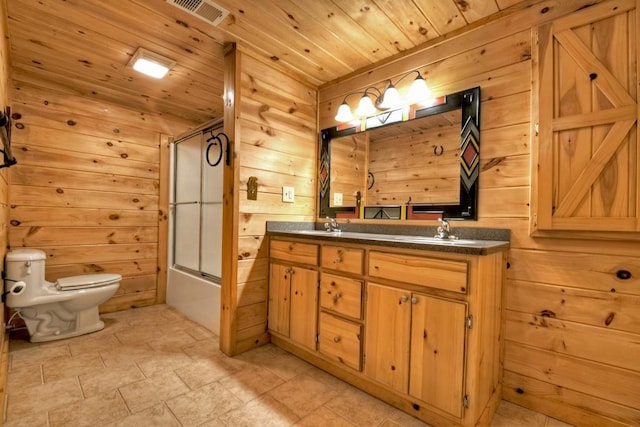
203 9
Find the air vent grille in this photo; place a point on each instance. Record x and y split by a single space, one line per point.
203 9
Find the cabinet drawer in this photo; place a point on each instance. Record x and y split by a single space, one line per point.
340 340
341 294
342 259
435 273
305 253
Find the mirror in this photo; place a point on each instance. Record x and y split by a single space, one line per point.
413 163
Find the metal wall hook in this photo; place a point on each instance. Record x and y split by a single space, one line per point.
216 141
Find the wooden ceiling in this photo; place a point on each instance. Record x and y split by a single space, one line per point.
84 46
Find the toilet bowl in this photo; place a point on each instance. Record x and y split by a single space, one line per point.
52 311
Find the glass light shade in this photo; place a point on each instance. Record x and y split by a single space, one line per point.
365 107
344 113
390 98
419 91
150 68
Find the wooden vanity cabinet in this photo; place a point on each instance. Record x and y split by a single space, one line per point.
419 347
340 327
419 329
293 292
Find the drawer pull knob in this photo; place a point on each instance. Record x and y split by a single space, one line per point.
337 339
338 259
337 295
404 298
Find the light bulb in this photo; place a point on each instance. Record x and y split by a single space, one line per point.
344 113
419 91
365 107
390 98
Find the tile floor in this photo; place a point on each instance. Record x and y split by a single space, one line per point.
153 367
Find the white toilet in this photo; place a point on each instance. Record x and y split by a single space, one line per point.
52 311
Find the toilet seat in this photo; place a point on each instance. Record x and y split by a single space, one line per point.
86 281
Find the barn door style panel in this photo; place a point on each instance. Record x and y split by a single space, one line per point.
587 152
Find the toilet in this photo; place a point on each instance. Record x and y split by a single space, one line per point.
53 311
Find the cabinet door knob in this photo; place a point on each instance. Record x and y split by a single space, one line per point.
337 339
404 298
414 300
337 295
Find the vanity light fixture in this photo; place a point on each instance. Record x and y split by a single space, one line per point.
150 63
419 92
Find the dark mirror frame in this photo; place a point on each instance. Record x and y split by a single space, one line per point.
468 102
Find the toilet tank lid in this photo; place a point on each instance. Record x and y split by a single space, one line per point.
87 280
26 254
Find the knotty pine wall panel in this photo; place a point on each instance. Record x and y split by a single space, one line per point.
4 200
572 341
86 189
278 146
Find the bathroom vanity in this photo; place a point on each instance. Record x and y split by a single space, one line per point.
413 320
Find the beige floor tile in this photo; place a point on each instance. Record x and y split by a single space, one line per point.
37 355
399 418
188 377
323 417
163 362
158 415
33 420
136 335
213 423
247 384
511 415
126 355
151 391
109 379
204 404
171 342
305 393
360 408
43 397
203 349
264 411
28 376
204 371
93 344
283 364
201 333
62 367
95 410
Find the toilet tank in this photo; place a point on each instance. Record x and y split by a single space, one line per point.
25 265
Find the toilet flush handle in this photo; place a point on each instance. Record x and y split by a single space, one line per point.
28 266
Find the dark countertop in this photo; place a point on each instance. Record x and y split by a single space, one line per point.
472 241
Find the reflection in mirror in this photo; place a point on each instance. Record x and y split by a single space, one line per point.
428 164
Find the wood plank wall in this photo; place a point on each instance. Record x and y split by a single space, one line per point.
4 202
278 146
572 336
86 188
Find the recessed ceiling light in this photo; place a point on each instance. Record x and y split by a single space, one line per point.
150 63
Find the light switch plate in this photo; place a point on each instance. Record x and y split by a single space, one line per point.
337 199
288 194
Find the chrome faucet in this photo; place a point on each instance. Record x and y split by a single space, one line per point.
444 230
331 225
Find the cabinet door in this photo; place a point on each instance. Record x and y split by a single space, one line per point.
304 307
437 352
388 312
586 156
279 298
